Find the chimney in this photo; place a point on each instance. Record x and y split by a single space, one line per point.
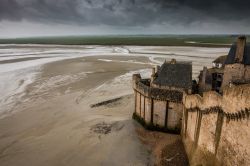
157 68
173 61
153 71
241 42
203 79
204 74
153 75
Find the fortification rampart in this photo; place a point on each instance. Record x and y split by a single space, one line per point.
143 87
215 128
159 109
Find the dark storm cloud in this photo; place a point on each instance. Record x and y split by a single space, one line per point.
124 12
9 10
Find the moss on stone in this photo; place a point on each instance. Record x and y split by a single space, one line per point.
153 127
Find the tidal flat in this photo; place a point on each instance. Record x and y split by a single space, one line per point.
46 113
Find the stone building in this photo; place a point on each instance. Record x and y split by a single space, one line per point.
228 70
215 128
237 64
213 116
158 100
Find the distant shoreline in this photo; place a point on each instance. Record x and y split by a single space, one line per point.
157 40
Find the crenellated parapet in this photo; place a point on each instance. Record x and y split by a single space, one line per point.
214 123
143 86
235 99
215 126
158 100
155 108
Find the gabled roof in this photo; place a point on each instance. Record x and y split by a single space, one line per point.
220 59
177 75
231 55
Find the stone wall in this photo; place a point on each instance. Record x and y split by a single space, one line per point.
215 128
157 108
235 72
142 86
159 113
174 115
148 104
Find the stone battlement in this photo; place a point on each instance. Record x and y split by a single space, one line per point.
214 123
215 128
142 86
155 108
233 100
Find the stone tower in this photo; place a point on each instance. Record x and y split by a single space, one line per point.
237 65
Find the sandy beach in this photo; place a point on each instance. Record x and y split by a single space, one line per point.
77 111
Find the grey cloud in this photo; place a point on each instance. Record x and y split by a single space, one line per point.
10 10
124 12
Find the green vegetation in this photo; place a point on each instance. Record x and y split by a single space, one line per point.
143 40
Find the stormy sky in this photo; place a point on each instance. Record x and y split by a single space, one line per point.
20 18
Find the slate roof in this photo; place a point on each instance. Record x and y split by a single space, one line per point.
177 75
220 59
231 55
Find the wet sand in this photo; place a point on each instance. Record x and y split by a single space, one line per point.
79 111
55 125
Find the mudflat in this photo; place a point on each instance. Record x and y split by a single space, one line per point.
55 125
78 111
